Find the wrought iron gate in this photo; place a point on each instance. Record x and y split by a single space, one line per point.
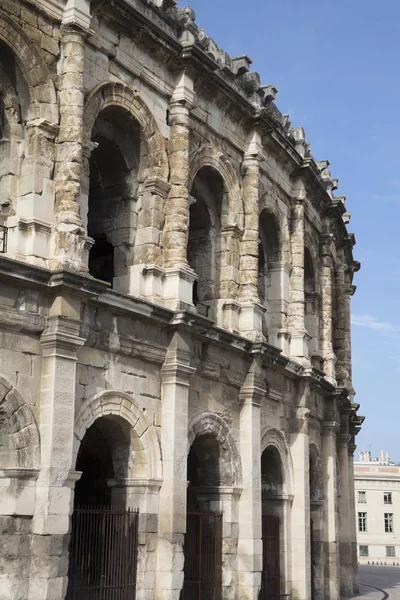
103 554
270 577
203 557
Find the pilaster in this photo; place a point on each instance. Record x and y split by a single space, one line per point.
175 375
346 568
300 514
60 343
352 518
251 311
330 534
327 284
179 277
250 533
69 233
299 336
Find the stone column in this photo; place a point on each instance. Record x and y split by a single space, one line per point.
343 291
330 534
250 533
326 310
352 519
228 309
297 330
346 567
60 343
175 374
300 514
251 311
179 277
278 304
69 232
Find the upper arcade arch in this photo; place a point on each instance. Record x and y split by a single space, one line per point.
33 69
232 209
144 438
108 95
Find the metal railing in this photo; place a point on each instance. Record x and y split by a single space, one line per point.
3 239
103 553
203 557
270 576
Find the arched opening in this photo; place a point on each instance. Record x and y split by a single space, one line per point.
311 317
117 168
103 455
14 102
316 524
209 474
203 248
104 538
273 514
268 274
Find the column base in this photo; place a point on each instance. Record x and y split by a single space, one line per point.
251 321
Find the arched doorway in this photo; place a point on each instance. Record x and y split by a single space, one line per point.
203 540
104 537
272 481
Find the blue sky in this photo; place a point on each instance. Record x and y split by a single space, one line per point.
337 69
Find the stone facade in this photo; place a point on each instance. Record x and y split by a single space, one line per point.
377 490
176 276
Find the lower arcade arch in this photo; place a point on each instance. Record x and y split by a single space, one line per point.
111 495
275 487
212 513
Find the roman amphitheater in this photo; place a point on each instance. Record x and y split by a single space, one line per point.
177 416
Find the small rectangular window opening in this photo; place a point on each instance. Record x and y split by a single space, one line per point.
390 551
362 521
387 497
388 522
363 551
362 497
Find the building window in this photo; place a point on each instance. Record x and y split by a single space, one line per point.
390 551
388 522
387 497
362 521
363 550
362 497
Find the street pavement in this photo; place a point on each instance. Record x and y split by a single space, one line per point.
378 583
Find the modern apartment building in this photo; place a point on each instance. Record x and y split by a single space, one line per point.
377 490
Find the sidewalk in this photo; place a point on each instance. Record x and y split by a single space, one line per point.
368 593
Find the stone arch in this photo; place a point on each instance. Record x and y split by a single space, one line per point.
19 434
273 437
124 406
215 426
207 156
120 95
33 69
265 204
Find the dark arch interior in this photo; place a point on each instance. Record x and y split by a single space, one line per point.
309 275
271 471
204 225
203 469
113 182
103 455
268 250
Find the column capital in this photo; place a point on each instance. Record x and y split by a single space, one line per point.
330 427
343 439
